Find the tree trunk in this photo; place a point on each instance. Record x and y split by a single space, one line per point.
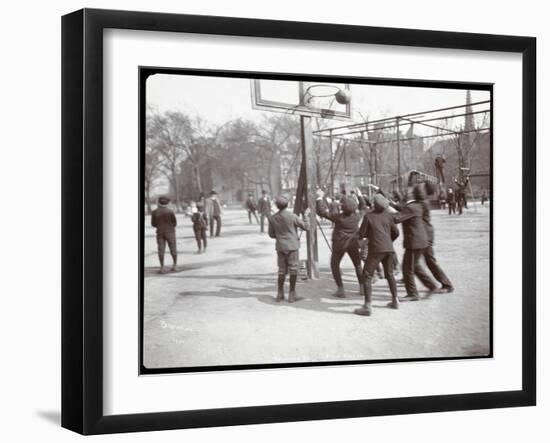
147 195
270 173
460 158
197 172
175 188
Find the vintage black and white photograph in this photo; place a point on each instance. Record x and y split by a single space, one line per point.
297 221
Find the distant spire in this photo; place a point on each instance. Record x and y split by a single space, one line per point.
467 138
469 119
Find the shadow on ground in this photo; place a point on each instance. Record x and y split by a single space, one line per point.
317 295
151 271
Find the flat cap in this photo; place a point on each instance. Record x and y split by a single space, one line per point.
381 202
281 201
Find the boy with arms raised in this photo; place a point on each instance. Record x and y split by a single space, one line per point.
344 239
379 228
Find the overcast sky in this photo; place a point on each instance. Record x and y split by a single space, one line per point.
219 99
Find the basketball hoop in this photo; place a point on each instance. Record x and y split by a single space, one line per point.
342 96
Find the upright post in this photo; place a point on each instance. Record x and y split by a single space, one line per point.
310 187
460 158
345 167
375 149
399 184
331 165
362 146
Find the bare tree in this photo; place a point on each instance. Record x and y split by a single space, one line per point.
465 142
237 152
174 135
188 150
274 133
152 157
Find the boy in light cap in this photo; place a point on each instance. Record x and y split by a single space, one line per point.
379 228
283 227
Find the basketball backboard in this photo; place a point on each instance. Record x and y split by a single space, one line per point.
313 99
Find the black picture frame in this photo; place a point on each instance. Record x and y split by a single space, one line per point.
146 71
82 220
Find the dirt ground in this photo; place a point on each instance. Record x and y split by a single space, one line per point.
218 308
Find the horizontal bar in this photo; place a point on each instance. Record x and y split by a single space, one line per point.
401 139
406 124
408 115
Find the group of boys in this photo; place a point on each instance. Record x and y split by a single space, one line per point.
456 199
208 212
377 226
263 207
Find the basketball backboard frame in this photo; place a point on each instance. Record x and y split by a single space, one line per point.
261 103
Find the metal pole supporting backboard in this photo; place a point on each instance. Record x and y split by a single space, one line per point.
308 160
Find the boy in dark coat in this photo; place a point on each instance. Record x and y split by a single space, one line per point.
379 228
214 211
283 226
451 201
344 239
461 187
200 224
442 199
164 219
483 197
429 254
264 208
251 209
415 242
